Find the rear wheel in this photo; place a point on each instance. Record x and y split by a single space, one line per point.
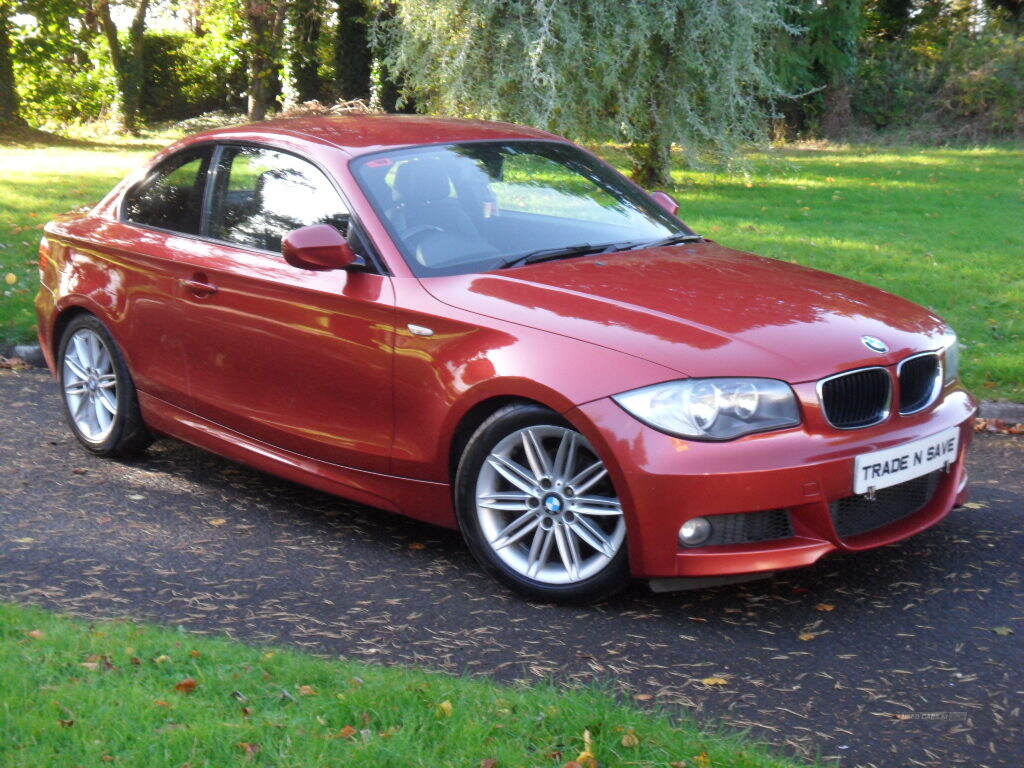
97 391
538 509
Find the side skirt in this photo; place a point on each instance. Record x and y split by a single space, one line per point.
419 499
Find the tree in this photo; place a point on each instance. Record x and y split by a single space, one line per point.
889 19
834 40
651 72
305 20
264 22
127 62
352 50
816 60
10 113
1012 11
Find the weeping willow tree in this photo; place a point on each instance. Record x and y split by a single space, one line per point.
651 73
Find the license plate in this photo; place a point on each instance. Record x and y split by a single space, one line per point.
892 466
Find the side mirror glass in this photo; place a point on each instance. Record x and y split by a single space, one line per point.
666 201
318 247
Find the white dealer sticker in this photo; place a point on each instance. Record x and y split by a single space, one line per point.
880 469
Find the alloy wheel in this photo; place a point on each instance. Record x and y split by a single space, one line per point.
90 385
546 505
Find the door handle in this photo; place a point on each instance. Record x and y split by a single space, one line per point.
198 287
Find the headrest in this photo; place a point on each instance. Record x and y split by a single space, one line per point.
422 180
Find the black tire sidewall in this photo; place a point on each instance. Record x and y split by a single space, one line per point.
125 386
611 579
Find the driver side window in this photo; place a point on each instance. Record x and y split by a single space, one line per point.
262 195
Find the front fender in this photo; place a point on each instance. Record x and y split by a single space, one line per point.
470 359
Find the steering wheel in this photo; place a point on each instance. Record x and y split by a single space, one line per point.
420 231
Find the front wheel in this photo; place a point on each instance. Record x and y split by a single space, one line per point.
538 509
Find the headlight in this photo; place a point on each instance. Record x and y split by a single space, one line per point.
951 361
713 409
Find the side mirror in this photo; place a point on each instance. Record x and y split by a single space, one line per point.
318 247
666 201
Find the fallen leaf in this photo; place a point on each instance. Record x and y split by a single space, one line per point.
417 545
67 723
805 636
629 739
489 762
702 760
249 748
162 658
89 665
36 634
715 681
307 690
348 732
444 709
247 711
824 607
187 685
161 703
643 697
217 521
974 505
1002 631
194 654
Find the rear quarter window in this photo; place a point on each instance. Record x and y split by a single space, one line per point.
171 197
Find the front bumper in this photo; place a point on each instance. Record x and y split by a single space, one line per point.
664 481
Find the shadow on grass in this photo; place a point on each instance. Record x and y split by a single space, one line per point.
27 137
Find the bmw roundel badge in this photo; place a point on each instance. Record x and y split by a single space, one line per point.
875 344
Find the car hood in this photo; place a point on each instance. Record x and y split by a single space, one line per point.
704 310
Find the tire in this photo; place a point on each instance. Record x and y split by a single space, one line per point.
97 392
533 535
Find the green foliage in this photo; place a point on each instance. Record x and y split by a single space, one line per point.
649 72
63 73
967 86
187 75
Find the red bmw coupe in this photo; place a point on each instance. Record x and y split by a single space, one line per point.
486 327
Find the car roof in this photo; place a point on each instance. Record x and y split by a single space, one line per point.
360 134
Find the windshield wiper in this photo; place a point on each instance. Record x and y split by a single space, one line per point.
677 239
564 252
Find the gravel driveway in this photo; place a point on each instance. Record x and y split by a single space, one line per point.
906 656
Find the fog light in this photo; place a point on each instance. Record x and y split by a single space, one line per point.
694 532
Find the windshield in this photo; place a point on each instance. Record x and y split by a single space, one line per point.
473 207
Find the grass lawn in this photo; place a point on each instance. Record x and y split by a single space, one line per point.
76 693
943 227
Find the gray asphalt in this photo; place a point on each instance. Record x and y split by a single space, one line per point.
907 669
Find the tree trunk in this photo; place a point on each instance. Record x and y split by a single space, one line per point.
265 19
352 51
650 163
651 155
128 65
10 113
306 22
838 115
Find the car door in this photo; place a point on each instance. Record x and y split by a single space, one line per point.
159 224
297 359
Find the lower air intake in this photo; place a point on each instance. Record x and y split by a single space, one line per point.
857 514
